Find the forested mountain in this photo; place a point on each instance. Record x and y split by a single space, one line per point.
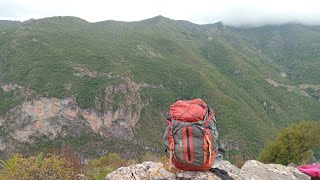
107 86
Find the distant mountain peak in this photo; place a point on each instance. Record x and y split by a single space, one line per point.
157 19
160 17
58 19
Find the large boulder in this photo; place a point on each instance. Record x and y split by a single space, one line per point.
256 170
146 170
156 171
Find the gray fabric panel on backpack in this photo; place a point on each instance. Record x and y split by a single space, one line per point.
197 138
178 124
198 146
165 138
178 146
214 133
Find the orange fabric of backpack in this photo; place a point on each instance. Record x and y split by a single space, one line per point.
188 111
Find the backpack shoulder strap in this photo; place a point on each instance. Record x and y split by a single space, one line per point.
221 173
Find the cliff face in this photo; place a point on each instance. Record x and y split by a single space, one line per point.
115 116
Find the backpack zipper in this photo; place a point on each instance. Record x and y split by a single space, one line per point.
188 144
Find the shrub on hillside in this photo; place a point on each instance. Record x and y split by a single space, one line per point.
36 167
67 153
99 168
111 160
149 156
99 173
295 144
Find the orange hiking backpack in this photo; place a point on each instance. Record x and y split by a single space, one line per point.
191 135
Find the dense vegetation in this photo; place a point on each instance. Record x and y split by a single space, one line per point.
222 65
65 163
39 167
299 144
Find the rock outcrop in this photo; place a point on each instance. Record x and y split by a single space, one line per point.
114 116
10 87
251 170
300 89
256 170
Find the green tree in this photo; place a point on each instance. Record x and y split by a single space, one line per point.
295 144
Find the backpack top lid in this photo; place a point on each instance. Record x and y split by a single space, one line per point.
188 111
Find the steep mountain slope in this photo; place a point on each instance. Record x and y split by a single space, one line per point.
295 47
109 84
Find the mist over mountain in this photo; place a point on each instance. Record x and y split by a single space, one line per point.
237 13
107 86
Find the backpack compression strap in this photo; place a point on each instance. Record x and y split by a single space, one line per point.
209 142
171 141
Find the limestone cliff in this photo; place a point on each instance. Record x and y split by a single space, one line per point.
115 115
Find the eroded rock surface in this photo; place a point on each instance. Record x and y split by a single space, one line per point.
252 170
256 170
115 115
10 87
300 89
156 171
146 170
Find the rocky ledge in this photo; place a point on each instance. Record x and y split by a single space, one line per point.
251 170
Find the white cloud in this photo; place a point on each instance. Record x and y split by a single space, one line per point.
234 12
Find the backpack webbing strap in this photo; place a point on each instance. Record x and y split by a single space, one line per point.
171 155
221 173
209 142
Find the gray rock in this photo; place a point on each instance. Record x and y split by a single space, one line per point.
256 170
196 175
156 171
251 170
146 170
232 170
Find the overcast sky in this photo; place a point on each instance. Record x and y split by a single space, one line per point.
232 12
